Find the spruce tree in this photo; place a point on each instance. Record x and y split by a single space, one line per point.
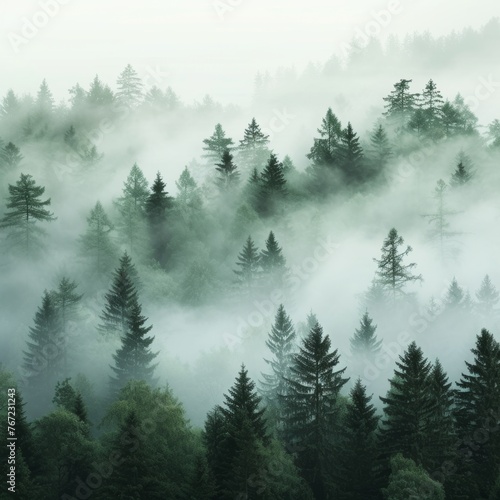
132 207
10 105
358 457
272 261
365 342
133 360
460 176
431 102
272 187
44 356
158 205
401 104
129 87
252 149
10 156
26 210
311 411
281 344
455 298
477 413
120 300
44 98
380 149
248 264
324 150
228 174
487 298
392 274
350 155
96 243
216 145
408 407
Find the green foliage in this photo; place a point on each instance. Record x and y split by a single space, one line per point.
364 341
217 144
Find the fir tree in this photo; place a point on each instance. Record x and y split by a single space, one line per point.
96 243
431 102
358 458
401 104
26 209
455 297
216 145
133 360
408 407
252 149
392 274
272 186
364 341
45 348
129 87
487 297
467 119
272 260
478 403
120 300
350 155
158 205
324 150
228 172
99 95
311 412
460 176
132 207
380 149
10 156
248 264
44 98
281 344
10 105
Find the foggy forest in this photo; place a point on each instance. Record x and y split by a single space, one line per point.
290 296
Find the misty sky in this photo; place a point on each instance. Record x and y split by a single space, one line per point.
199 46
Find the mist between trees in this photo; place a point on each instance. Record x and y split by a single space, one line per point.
312 318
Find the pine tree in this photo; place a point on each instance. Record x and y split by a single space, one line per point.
358 458
129 87
132 207
478 401
10 105
133 359
253 151
99 95
408 407
455 297
272 187
311 412
216 145
44 98
487 297
460 176
467 119
188 201
324 150
281 344
431 102
401 104
392 274
364 341
46 347
450 119
10 156
96 243
26 210
350 155
248 264
120 300
380 150
158 205
229 175
272 261
65 395
439 219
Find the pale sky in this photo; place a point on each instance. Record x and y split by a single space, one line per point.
199 46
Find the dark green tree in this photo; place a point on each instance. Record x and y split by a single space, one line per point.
311 408
380 149
431 102
460 176
392 274
272 187
365 342
133 360
65 395
350 155
120 300
96 243
228 174
401 104
478 403
358 457
272 261
324 150
26 210
408 407
216 145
